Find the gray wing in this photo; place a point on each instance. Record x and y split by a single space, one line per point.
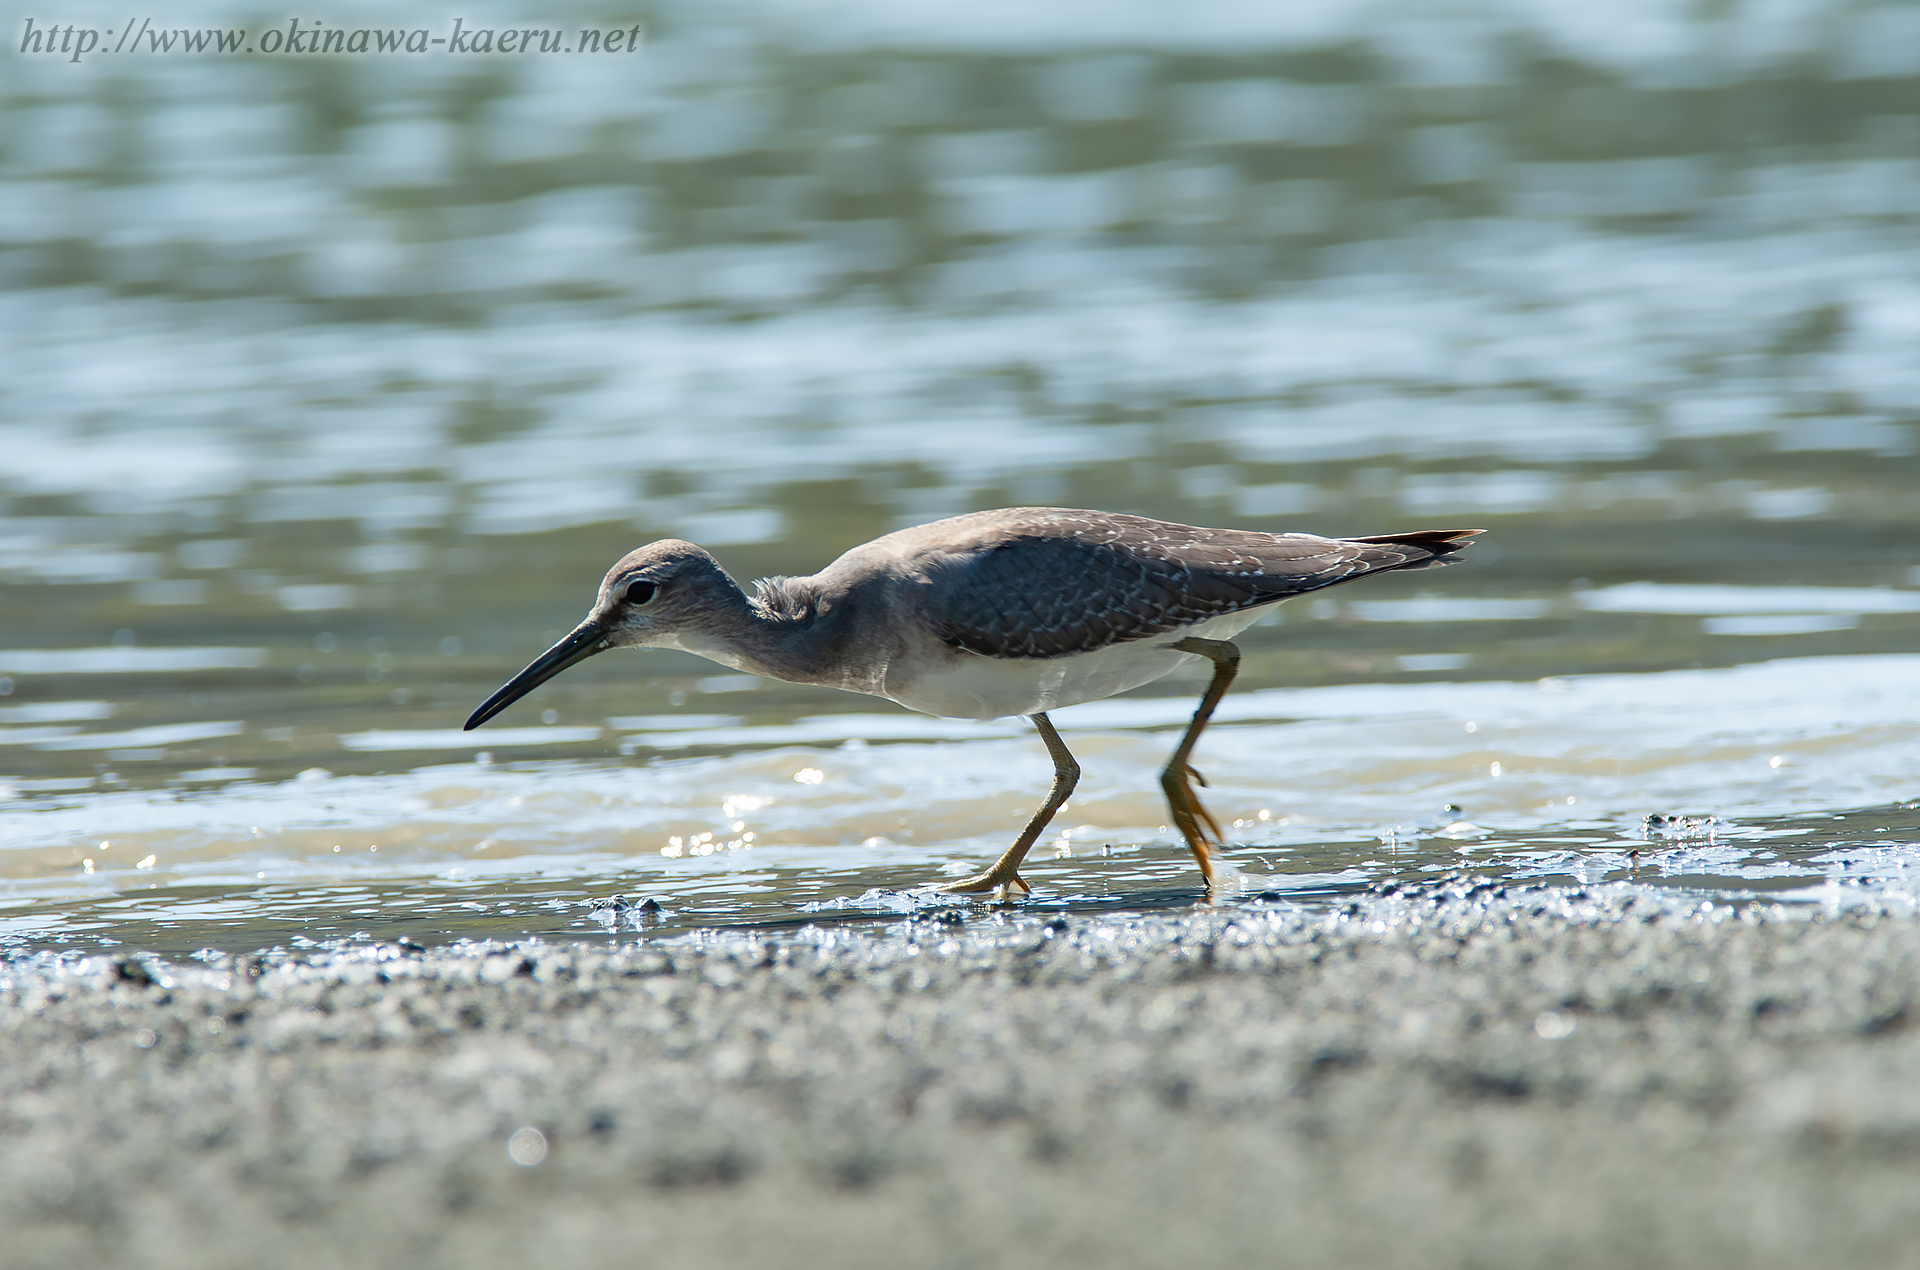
1073 586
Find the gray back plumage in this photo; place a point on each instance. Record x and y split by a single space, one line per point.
1039 582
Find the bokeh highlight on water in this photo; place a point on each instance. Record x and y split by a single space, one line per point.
335 383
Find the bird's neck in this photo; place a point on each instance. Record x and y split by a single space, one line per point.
785 632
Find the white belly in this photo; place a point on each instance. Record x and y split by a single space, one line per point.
993 687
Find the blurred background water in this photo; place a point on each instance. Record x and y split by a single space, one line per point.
333 384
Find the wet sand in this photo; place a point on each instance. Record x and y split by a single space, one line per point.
1441 1079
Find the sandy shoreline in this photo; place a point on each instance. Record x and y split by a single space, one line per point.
1440 1079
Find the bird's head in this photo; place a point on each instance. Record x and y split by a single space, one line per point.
667 594
653 596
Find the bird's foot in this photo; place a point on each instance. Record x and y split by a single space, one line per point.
1196 824
1006 881
1192 818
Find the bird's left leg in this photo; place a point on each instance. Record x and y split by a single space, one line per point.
1005 873
1189 817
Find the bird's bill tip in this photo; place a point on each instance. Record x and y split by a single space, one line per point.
586 640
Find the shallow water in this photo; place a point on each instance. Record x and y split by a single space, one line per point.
339 382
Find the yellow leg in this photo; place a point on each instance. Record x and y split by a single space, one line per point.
1005 873
1189 817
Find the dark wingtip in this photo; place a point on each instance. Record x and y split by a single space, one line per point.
1435 540
1441 547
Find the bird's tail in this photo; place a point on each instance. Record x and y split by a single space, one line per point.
1421 549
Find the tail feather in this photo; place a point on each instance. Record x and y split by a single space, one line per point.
1431 548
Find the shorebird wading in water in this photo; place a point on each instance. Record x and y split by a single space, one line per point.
1018 611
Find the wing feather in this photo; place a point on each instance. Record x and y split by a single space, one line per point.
1074 582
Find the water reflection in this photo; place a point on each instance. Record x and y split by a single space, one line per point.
344 379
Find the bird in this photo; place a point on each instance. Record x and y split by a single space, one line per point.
1012 611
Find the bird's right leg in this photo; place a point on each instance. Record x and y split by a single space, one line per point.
1005 873
1189 817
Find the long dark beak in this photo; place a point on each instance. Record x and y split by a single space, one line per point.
587 639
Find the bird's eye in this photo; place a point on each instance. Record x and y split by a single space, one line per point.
640 592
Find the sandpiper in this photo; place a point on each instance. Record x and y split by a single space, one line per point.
1017 611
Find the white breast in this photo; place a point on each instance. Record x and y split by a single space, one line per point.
977 687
